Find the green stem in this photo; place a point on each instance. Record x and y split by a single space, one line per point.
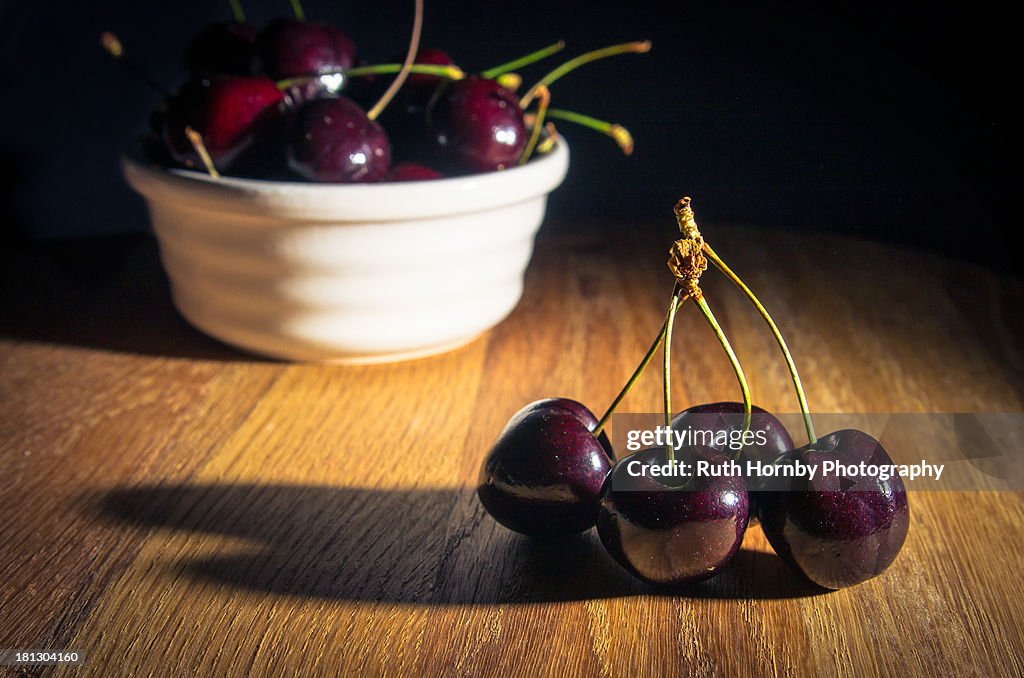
724 341
666 373
543 53
617 132
644 362
797 385
449 72
297 10
237 11
573 64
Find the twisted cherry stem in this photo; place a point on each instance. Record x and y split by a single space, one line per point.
410 57
297 10
797 385
666 369
733 360
530 58
644 362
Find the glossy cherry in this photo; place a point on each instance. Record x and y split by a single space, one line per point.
289 48
477 125
836 530
724 421
668 530
544 474
304 90
332 140
230 113
222 48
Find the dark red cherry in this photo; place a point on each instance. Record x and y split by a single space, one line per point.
838 529
411 171
477 125
230 113
673 530
544 474
289 48
578 410
222 48
305 90
768 440
332 140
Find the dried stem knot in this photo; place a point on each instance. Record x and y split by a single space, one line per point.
686 257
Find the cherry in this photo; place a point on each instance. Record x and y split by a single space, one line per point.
222 48
672 530
725 421
304 90
333 140
578 410
544 474
477 125
411 171
289 48
838 530
228 112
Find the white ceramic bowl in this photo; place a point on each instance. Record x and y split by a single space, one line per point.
347 273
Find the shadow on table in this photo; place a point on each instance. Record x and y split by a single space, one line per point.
102 293
431 547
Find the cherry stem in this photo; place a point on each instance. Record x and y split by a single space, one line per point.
297 10
666 373
797 385
633 378
530 58
510 81
702 304
538 125
410 56
573 64
196 140
617 132
236 9
114 48
450 72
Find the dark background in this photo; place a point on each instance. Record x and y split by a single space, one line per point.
884 120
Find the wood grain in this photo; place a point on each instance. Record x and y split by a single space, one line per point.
171 507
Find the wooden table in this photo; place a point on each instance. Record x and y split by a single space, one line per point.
169 506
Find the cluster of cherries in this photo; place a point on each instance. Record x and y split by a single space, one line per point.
552 471
291 101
